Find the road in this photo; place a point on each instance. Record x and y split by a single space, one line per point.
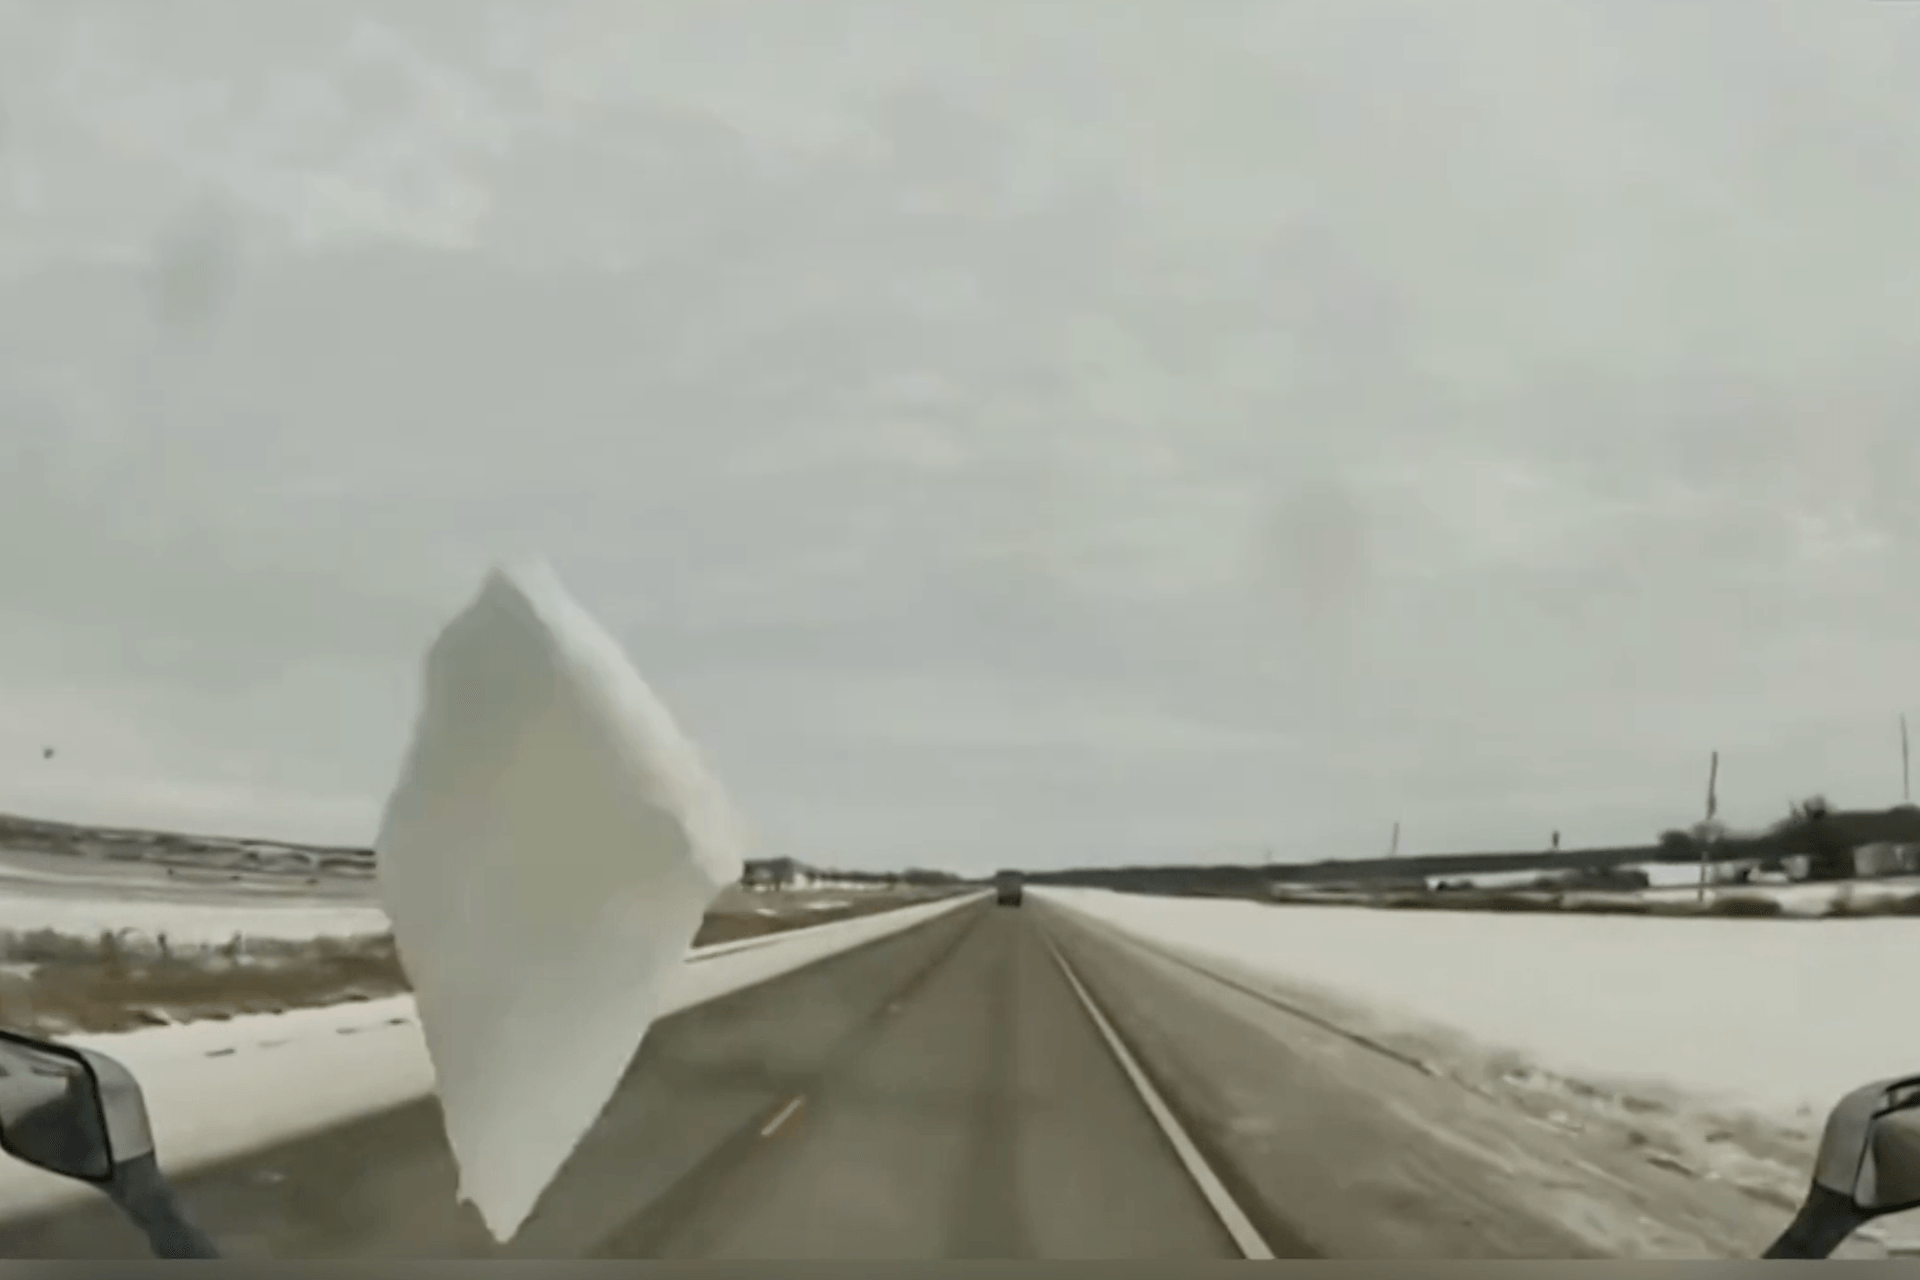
943 1093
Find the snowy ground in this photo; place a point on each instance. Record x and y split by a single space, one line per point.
1714 1046
1669 893
184 923
71 896
1680 882
1660 875
1802 899
85 899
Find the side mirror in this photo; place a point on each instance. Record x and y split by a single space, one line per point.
1868 1167
81 1114
69 1111
1870 1151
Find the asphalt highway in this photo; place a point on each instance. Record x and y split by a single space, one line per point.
943 1093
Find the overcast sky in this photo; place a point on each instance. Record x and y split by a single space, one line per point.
1029 431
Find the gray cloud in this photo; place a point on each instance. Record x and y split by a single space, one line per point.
1001 430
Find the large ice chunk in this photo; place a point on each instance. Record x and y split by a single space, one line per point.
546 858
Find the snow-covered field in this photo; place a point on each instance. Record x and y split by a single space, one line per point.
87 903
82 898
1660 875
1670 890
1802 899
1785 1019
1719 1043
184 922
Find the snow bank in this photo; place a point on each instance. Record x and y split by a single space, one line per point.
1778 1017
220 1089
546 860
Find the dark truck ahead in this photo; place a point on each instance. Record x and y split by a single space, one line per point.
1006 888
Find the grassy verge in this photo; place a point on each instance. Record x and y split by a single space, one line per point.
732 926
57 984
54 984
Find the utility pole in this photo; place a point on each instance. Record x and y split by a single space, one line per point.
1713 807
1906 764
1393 849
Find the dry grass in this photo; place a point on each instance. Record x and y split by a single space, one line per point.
57 984
734 926
1751 906
1904 905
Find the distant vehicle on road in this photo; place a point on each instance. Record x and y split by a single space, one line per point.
1006 888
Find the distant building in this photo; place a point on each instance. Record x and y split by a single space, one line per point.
1886 859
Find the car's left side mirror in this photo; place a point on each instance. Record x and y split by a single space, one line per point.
69 1111
81 1114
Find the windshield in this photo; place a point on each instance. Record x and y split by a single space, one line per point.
561 562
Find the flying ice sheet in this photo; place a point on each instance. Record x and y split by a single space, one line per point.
546 858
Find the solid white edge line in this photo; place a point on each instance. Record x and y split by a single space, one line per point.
1245 1236
773 1126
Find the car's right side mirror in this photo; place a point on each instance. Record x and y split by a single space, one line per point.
1868 1167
